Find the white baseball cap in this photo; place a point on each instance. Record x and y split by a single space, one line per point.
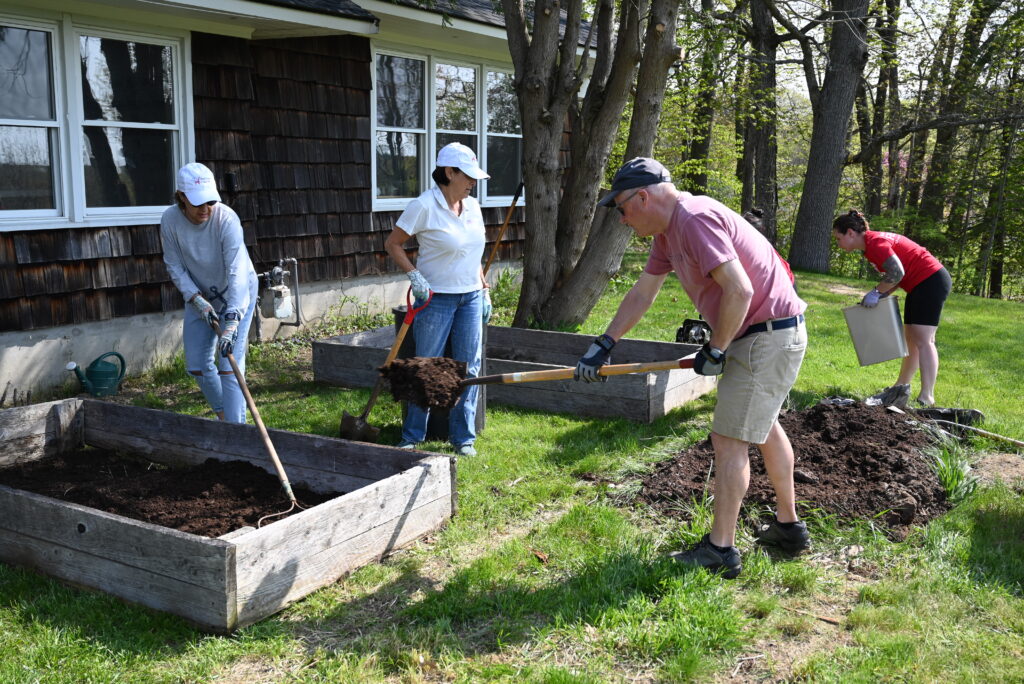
461 157
198 184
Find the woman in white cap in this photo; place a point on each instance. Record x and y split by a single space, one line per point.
449 228
205 254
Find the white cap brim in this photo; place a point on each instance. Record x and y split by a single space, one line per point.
202 195
474 172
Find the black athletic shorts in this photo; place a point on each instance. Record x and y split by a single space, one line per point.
924 302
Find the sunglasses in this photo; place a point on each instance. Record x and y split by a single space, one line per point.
618 206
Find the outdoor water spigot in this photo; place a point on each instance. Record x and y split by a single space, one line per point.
101 378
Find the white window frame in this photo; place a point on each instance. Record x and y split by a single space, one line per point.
429 148
69 176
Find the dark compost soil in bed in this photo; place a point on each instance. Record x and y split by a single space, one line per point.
209 499
851 461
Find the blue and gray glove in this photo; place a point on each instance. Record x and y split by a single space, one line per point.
709 361
204 309
871 299
488 308
228 333
420 286
597 355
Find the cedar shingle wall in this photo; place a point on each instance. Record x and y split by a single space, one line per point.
290 120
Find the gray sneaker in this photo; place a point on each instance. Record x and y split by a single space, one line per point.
792 539
704 555
897 395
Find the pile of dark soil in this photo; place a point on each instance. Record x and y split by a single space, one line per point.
851 461
209 499
426 381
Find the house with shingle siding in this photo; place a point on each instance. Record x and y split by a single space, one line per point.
320 119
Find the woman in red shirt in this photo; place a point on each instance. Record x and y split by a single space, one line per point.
906 264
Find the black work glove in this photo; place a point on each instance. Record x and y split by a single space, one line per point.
709 361
597 355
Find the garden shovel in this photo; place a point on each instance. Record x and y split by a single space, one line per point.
567 372
355 427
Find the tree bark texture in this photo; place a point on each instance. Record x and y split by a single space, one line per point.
847 56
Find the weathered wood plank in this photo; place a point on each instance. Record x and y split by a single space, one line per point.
32 432
167 433
364 353
214 610
565 349
286 560
183 557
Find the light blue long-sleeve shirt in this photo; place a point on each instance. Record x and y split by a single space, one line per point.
209 258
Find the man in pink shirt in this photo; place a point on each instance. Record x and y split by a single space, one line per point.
744 289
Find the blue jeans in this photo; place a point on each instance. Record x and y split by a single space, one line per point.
211 370
461 316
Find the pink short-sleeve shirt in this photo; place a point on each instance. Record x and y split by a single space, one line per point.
704 234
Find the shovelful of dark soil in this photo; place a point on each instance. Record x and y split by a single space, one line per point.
430 382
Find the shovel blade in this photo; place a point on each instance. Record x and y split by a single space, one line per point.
355 428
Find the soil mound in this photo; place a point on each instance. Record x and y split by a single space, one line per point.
852 461
430 382
209 499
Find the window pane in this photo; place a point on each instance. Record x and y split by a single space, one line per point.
504 165
455 97
502 105
127 167
26 168
26 90
398 165
400 91
127 81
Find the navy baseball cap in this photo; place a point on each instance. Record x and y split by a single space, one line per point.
636 173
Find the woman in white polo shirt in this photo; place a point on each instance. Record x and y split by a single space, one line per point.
449 228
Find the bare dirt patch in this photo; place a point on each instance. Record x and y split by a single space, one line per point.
1001 467
852 461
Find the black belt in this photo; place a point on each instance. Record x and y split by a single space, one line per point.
777 324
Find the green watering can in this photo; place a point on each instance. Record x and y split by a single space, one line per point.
101 378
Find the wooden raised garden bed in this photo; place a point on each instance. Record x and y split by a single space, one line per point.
352 361
387 498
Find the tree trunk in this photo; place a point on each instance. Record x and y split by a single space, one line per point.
572 301
703 118
847 55
933 200
765 114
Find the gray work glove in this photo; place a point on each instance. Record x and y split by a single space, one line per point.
228 334
204 309
488 308
709 361
420 286
597 355
871 299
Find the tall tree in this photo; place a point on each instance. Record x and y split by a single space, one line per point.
832 105
563 275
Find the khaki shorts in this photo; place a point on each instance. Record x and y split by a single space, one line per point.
760 369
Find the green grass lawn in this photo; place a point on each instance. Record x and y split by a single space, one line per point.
550 575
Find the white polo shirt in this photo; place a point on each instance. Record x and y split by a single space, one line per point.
451 247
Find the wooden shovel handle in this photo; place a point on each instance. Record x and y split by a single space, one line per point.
508 217
567 373
410 314
281 475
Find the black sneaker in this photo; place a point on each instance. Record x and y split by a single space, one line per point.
792 539
704 555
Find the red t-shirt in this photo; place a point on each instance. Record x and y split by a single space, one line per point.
918 262
703 234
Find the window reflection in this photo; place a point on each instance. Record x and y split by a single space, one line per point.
504 164
502 105
455 97
26 90
127 167
26 168
126 81
398 165
400 84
